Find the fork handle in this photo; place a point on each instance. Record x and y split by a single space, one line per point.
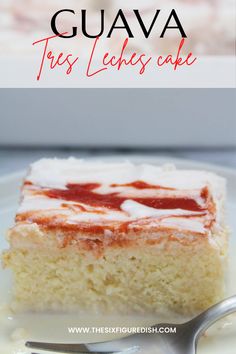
213 314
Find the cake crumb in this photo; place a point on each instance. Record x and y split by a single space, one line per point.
19 334
4 309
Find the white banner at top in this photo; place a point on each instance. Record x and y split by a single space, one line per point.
115 43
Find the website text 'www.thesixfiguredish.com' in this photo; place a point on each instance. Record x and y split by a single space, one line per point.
122 330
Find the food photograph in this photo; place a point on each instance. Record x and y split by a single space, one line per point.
117 195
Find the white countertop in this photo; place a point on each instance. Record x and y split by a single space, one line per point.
14 159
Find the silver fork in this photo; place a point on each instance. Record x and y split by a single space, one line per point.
77 348
183 341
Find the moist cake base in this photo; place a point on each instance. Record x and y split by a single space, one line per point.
183 277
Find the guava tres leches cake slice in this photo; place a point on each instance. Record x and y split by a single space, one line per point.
118 237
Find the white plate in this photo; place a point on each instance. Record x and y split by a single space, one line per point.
220 338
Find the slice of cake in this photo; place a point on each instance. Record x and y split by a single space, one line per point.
118 237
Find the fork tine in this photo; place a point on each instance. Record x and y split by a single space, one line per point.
60 348
91 352
88 352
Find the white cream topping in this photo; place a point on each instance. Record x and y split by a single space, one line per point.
54 173
137 210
